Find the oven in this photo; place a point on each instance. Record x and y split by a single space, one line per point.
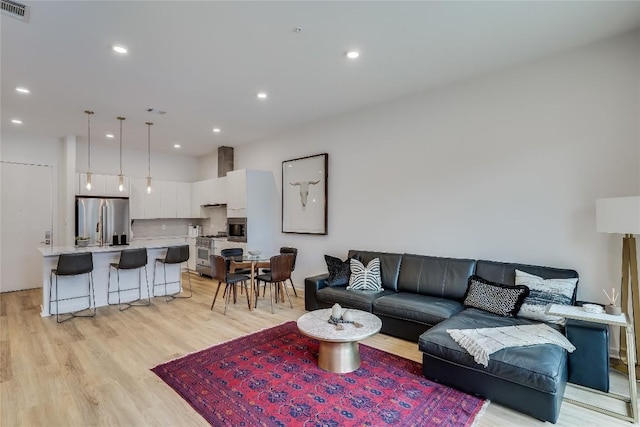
204 248
237 229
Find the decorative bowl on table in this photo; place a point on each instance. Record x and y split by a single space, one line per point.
254 252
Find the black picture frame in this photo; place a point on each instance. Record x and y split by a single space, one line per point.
305 195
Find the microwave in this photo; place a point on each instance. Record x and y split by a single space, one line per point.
237 229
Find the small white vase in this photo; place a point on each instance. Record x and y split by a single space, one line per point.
613 309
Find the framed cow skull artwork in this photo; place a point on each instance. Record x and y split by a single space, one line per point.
304 195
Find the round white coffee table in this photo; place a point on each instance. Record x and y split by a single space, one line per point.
339 350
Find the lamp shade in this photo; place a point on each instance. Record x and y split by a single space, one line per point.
619 215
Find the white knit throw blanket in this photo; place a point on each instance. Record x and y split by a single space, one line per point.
480 343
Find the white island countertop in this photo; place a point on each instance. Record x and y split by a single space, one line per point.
149 244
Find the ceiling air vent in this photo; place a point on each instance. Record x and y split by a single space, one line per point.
15 10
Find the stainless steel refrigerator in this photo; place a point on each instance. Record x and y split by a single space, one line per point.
100 218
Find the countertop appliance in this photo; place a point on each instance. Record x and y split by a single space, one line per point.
102 219
237 229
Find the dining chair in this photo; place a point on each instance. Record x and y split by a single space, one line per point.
280 272
220 272
284 250
235 252
73 265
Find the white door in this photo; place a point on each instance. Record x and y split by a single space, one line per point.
26 199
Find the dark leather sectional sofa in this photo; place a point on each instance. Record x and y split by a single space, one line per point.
422 298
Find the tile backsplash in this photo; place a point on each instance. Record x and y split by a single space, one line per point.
168 227
214 223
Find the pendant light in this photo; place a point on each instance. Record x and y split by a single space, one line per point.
121 177
89 113
149 156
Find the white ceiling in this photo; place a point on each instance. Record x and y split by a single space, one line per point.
203 62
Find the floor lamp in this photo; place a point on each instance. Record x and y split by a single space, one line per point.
621 215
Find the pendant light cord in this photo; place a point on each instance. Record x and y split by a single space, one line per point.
121 119
149 146
89 113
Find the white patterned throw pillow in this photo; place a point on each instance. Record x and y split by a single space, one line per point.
543 292
365 279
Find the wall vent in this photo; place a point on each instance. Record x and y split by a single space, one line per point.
15 10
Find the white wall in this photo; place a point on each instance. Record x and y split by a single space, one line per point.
504 167
105 159
21 148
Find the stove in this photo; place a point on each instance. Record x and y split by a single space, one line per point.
204 248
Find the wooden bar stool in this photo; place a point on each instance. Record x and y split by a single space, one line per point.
73 265
175 255
130 259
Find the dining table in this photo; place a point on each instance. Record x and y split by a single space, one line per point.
252 262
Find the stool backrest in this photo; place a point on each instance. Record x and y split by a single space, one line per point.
292 251
72 264
177 254
132 258
218 268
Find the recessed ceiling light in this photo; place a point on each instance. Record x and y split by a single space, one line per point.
119 48
22 90
262 95
109 135
16 121
352 54
216 130
176 145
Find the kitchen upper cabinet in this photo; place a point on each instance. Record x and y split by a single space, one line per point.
183 200
168 201
136 200
98 185
236 189
112 183
153 200
102 185
198 191
207 192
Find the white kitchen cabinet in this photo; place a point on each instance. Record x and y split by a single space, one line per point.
136 198
153 200
221 190
191 263
207 192
183 200
236 190
102 185
168 201
98 185
198 190
112 183
252 194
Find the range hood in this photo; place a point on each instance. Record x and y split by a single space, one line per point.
214 205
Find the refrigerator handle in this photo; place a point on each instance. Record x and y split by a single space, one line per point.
105 220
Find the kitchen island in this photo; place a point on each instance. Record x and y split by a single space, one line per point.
103 256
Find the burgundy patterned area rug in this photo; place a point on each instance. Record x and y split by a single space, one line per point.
271 378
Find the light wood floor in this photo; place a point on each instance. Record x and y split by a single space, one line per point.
96 371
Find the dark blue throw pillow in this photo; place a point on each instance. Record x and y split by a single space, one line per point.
339 271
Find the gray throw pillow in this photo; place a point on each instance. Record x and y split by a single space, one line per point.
543 292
